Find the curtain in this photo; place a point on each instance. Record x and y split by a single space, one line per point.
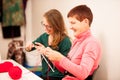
12 16
13 13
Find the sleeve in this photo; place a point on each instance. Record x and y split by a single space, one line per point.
83 69
37 40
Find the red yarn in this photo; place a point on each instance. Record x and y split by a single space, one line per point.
15 72
5 66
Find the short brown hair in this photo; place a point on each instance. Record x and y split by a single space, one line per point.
81 12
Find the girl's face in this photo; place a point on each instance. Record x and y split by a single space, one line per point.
48 28
77 26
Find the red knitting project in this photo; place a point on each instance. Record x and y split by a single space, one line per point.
15 72
4 67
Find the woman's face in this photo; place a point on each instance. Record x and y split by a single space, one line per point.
77 26
48 28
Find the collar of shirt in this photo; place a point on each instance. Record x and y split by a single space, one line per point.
82 36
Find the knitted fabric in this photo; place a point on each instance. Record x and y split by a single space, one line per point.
5 66
15 72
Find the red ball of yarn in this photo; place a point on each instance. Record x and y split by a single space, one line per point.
15 72
5 66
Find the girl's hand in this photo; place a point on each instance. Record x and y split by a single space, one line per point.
29 47
40 48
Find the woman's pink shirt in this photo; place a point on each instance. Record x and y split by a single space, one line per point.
83 58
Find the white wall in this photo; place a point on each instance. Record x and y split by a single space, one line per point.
105 27
4 42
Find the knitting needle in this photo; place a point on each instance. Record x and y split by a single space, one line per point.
42 56
47 62
20 47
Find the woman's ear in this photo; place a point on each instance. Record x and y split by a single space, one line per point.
86 21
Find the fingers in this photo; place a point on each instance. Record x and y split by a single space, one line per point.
40 48
38 44
29 47
53 55
48 52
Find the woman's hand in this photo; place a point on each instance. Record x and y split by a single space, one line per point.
53 55
29 47
48 52
40 48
